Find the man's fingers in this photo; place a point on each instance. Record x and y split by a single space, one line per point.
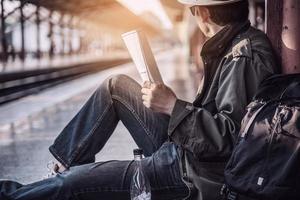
145 91
152 86
147 84
145 98
146 104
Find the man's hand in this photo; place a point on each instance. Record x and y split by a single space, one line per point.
158 97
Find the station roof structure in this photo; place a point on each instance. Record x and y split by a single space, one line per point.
109 12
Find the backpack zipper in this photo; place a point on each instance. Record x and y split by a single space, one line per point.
277 123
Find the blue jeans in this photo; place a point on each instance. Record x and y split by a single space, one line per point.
118 98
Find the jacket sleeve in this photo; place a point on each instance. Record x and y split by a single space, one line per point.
211 135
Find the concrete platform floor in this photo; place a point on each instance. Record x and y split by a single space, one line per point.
24 153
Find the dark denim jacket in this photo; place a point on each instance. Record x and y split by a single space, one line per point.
235 60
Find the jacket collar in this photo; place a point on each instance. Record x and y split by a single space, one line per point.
214 49
215 46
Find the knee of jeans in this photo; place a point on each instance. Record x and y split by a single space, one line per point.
118 83
110 83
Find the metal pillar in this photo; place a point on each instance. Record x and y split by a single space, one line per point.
283 29
70 35
38 32
22 23
50 36
62 34
291 36
3 35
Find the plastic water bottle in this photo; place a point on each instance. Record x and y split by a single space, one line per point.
140 186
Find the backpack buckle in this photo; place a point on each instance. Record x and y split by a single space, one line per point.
223 190
228 194
232 195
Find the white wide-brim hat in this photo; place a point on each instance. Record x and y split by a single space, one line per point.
207 2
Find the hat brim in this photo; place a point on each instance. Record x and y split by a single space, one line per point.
207 2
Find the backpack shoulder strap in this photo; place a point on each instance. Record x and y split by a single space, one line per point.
251 120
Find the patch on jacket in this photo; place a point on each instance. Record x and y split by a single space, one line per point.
243 48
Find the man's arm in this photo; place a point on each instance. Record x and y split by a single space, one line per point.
211 135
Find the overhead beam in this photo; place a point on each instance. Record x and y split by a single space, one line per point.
108 12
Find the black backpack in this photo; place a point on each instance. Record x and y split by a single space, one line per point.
265 162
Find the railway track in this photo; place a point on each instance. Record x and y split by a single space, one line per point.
15 85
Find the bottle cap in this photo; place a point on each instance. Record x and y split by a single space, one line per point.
138 152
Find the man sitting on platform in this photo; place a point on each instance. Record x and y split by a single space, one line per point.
186 144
